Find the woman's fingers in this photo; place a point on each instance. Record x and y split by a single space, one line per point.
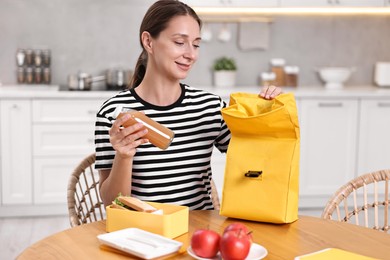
117 125
270 92
125 139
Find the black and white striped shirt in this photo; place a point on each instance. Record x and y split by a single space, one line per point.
180 174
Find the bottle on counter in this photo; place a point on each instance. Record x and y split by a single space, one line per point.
20 57
29 75
46 75
291 76
37 58
277 67
21 75
37 75
29 57
46 57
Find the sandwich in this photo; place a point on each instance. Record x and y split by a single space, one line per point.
131 203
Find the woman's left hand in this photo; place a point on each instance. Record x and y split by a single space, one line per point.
270 92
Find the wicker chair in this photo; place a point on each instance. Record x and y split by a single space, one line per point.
214 195
84 202
364 200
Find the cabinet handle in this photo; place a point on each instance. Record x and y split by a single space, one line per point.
383 104
90 141
92 112
339 104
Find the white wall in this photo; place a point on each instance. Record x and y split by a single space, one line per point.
93 35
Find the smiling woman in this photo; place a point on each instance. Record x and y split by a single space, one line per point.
170 38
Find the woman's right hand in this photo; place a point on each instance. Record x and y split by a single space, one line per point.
126 140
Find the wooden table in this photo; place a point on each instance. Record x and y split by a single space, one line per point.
306 235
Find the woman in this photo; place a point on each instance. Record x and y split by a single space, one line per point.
127 163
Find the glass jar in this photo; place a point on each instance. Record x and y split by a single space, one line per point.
159 135
29 75
46 75
29 57
37 58
21 75
267 78
291 75
20 57
277 67
46 57
38 75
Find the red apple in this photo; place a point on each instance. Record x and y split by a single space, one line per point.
235 245
238 226
205 243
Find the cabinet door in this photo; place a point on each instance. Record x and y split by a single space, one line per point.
51 176
328 145
63 139
374 138
16 159
62 111
331 3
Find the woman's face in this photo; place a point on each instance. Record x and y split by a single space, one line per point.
176 49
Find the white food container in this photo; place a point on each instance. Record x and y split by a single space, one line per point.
382 74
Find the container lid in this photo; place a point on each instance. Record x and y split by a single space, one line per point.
291 69
268 76
278 62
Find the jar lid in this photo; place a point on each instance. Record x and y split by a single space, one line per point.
291 69
278 62
268 76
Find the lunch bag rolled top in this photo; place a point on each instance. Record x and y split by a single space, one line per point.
261 181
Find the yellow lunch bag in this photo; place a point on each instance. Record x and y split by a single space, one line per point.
261 181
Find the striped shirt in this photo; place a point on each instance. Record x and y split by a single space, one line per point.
180 174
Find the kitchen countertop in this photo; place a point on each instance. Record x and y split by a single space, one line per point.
54 91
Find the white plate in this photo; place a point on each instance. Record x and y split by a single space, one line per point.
140 243
255 253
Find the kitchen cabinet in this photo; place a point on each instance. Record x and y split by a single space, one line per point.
15 149
233 3
41 141
331 3
63 134
374 137
328 147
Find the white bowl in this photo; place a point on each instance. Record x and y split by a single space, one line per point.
335 77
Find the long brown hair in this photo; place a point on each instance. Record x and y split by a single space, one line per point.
156 20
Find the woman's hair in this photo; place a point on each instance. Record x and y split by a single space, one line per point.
155 21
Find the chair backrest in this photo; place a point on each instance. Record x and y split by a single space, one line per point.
84 202
214 195
363 201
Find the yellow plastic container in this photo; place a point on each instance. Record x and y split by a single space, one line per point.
172 223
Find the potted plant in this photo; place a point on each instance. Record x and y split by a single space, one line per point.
225 72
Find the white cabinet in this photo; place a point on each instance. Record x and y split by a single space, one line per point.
374 140
232 3
63 134
41 142
16 161
332 3
328 147
51 177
